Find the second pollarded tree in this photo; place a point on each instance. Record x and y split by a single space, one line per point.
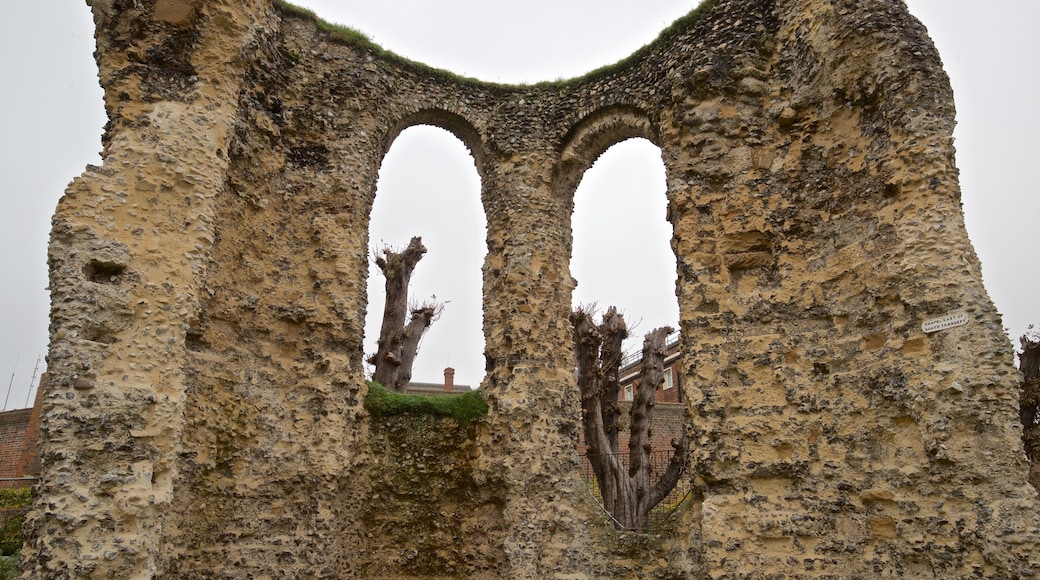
626 486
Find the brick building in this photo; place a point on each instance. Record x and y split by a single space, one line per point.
19 454
447 388
668 409
632 365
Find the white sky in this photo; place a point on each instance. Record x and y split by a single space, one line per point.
52 118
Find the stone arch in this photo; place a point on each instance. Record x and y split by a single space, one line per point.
591 143
593 135
451 122
636 201
463 291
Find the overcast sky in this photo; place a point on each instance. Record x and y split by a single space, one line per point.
52 118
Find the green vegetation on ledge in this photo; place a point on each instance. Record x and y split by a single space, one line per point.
354 37
339 32
463 408
676 28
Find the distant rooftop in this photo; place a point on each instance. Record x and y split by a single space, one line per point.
435 389
446 388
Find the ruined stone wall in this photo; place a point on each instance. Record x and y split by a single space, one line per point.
204 415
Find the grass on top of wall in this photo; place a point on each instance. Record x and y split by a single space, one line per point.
337 31
354 37
464 407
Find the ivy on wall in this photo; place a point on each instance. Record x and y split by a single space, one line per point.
14 503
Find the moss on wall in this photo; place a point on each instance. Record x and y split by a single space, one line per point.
463 407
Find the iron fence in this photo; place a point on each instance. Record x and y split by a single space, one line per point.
635 354
663 511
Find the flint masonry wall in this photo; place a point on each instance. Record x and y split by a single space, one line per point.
204 414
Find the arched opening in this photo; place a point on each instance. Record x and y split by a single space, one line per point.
621 258
428 186
621 250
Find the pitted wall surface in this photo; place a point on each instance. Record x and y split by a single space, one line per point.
203 415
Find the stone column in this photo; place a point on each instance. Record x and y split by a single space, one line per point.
810 253
534 418
129 248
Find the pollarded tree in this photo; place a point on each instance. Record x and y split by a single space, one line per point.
399 342
1029 402
627 490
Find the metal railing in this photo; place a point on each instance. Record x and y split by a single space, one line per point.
659 514
635 354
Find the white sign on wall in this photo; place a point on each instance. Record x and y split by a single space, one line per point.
944 322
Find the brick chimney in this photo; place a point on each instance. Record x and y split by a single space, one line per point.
449 379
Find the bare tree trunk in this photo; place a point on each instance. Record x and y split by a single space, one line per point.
599 449
676 466
627 493
398 343
422 318
614 331
639 445
1029 404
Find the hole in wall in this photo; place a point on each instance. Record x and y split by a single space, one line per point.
429 187
193 340
98 334
103 272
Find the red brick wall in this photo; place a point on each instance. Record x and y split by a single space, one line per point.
667 424
29 464
663 394
671 395
14 428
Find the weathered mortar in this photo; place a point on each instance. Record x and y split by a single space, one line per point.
204 413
